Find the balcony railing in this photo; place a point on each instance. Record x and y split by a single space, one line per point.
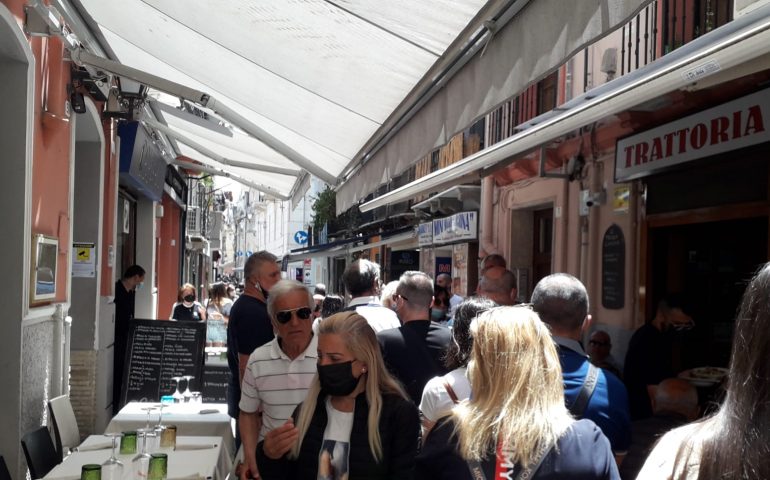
665 25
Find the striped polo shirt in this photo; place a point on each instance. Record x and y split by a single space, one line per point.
274 384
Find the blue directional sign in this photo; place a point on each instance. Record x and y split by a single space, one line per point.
249 253
300 237
239 253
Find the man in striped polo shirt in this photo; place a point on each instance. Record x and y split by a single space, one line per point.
278 373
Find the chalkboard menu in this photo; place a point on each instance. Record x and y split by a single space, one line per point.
158 350
613 268
215 380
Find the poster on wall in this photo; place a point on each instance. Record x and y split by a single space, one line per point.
84 260
443 265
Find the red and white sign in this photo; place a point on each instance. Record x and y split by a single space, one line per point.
730 126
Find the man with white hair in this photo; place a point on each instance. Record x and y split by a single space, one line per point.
279 373
362 281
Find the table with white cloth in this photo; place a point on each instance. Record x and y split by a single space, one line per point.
200 457
187 417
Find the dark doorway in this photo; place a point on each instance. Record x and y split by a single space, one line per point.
542 244
710 264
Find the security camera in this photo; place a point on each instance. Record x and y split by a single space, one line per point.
596 199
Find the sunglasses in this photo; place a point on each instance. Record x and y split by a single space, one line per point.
284 316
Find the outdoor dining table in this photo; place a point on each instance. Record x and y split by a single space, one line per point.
198 457
191 419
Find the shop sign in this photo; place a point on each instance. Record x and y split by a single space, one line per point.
425 234
730 126
459 227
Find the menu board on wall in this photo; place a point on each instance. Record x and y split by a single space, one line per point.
158 350
613 268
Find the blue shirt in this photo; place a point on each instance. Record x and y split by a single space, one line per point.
608 406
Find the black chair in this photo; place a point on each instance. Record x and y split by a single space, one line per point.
40 452
4 473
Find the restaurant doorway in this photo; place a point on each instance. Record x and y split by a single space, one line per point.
710 264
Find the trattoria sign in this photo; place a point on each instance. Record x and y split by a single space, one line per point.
730 126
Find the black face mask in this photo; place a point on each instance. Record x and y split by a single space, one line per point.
189 298
337 379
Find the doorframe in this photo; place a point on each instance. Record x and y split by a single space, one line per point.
719 213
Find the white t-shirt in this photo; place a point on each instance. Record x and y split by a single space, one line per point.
436 402
335 449
378 317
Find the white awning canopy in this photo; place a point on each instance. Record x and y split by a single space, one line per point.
320 76
708 59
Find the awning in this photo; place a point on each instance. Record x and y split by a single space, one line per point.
746 39
319 77
393 240
537 40
452 200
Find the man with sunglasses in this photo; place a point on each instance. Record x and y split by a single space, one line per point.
414 352
279 373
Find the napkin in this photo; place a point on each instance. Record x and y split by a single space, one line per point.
92 447
194 446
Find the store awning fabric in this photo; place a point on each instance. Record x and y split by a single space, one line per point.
744 40
323 76
320 76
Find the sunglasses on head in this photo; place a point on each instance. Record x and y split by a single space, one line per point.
284 316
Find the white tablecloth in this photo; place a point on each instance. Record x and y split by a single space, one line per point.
205 463
187 418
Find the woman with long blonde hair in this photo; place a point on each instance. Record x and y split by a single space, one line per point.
515 424
356 423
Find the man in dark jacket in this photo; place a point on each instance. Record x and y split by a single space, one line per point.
125 295
413 352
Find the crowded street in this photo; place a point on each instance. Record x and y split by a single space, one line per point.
356 239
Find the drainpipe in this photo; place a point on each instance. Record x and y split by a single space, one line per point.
487 243
66 361
59 352
594 234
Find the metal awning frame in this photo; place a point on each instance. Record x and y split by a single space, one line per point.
736 43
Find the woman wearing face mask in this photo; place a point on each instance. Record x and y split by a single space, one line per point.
356 423
187 309
440 308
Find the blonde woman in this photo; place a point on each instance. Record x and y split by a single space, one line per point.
356 423
515 424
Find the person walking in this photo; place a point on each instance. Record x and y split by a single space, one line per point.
356 423
125 300
515 424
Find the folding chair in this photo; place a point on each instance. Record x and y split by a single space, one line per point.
40 452
66 432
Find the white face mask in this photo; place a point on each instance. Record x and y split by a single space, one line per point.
139 286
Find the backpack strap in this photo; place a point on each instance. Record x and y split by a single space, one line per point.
578 407
450 391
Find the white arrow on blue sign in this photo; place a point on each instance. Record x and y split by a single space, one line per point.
300 237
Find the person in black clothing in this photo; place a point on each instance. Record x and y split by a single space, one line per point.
249 327
649 359
515 424
413 352
187 308
675 403
356 422
125 293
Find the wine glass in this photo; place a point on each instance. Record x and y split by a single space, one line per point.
149 409
141 462
178 397
112 468
187 394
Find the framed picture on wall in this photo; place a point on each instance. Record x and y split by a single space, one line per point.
45 252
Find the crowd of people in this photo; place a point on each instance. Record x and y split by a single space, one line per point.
410 380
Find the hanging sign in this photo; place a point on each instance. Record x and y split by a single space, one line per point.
425 234
730 126
460 227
